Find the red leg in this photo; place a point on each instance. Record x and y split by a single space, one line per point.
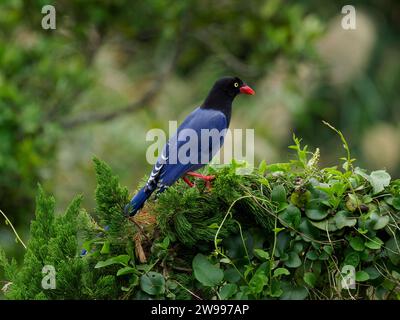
190 184
200 176
207 179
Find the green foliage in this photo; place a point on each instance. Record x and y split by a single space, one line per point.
39 96
245 239
110 198
56 240
53 242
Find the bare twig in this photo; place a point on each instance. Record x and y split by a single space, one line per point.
143 101
147 98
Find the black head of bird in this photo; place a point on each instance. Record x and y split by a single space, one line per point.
223 92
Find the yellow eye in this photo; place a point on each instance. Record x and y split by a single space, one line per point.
236 84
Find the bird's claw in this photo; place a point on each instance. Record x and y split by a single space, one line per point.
206 179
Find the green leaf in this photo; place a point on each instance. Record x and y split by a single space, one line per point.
316 211
126 270
278 194
352 259
261 254
372 272
262 167
294 260
291 292
312 255
310 278
328 249
225 260
309 231
325 225
357 243
106 248
277 230
375 243
276 290
205 272
259 280
291 215
281 271
323 256
393 250
362 276
378 179
231 275
152 283
343 219
228 291
377 221
396 203
121 259
282 242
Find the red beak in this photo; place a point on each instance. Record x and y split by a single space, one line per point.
247 90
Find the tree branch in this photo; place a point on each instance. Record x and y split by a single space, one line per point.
144 100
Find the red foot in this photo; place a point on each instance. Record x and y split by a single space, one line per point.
207 179
190 184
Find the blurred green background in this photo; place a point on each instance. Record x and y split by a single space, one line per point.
112 70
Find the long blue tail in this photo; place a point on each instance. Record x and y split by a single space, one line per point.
138 201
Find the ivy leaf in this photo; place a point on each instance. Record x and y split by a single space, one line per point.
343 219
291 292
278 194
352 259
325 225
276 290
378 222
310 278
309 231
312 255
375 243
231 275
393 250
362 276
396 203
205 272
316 211
228 291
328 249
152 283
291 215
294 260
378 179
372 272
259 280
357 243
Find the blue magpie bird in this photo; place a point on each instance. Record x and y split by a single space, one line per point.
187 150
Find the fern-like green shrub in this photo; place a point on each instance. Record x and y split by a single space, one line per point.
285 231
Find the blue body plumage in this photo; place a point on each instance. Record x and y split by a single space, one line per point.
195 143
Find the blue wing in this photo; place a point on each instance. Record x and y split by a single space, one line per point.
195 143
